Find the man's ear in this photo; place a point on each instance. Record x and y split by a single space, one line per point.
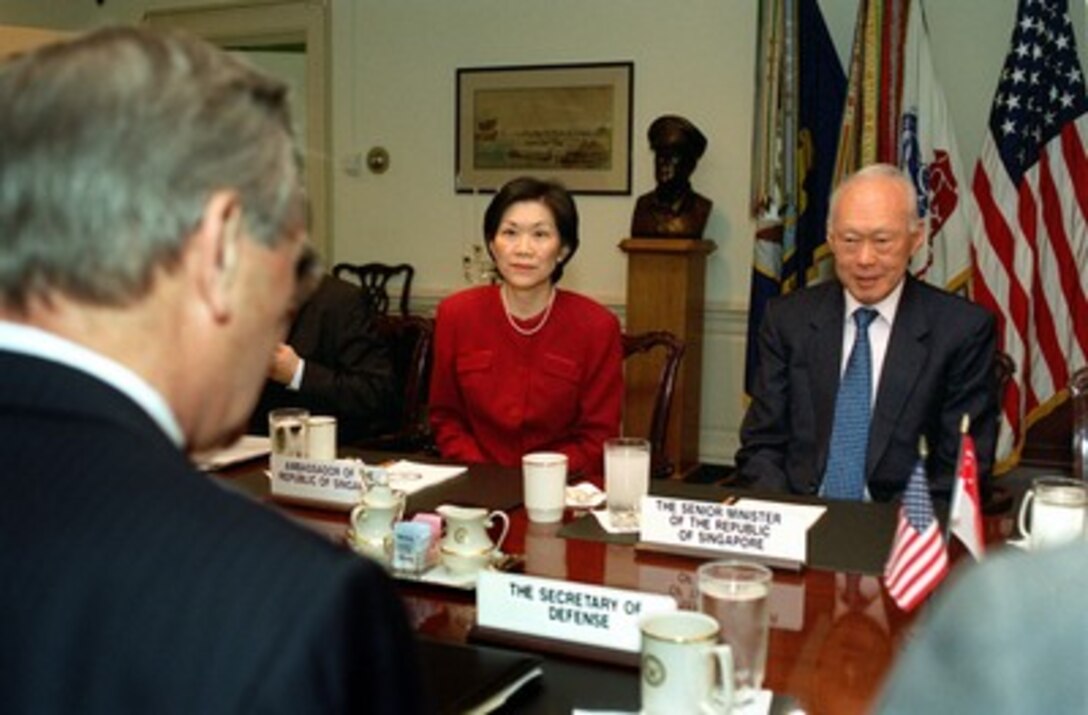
216 245
918 237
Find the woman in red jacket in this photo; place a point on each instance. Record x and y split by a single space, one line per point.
523 366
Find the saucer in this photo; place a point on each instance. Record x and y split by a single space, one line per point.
439 575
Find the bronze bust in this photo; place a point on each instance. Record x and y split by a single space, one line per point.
673 209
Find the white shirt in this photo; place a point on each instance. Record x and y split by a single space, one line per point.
880 331
26 340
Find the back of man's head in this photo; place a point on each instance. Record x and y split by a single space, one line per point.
110 146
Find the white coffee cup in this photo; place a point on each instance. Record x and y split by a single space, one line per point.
544 480
321 440
1059 512
684 669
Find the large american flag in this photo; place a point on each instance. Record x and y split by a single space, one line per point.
1030 243
918 560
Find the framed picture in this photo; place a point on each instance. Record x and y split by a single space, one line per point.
571 123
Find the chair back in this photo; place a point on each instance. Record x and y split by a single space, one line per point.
1078 393
375 280
409 338
673 350
1004 368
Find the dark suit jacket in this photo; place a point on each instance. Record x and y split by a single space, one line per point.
348 371
133 584
939 365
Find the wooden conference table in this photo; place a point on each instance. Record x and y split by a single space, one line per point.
835 631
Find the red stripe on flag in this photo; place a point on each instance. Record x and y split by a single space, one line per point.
917 566
1045 331
1076 165
1002 241
1069 281
1028 222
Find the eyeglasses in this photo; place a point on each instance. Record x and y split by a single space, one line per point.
881 243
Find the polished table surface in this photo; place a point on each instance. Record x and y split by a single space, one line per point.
835 639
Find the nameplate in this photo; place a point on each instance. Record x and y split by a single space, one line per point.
767 531
564 610
332 483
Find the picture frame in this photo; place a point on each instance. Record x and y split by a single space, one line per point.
569 122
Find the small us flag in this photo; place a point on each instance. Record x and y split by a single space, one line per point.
918 560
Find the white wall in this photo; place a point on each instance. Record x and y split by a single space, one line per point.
691 60
393 76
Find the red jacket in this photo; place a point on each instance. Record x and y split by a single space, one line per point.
496 394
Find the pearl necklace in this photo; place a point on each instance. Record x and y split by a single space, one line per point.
513 321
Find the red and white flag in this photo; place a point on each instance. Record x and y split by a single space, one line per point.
929 155
1030 238
965 517
918 561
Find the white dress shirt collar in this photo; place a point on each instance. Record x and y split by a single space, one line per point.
886 308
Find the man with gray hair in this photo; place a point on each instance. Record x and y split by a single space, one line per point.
152 246
853 371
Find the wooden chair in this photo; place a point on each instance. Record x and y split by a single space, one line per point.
374 279
1004 368
673 350
995 497
410 340
1078 394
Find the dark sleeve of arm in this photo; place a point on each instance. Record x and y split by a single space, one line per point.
350 650
971 389
765 430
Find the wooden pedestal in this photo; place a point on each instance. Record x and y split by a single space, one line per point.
665 291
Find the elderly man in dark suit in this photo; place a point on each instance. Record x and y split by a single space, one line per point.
923 358
152 228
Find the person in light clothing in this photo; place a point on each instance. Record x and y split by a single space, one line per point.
1009 635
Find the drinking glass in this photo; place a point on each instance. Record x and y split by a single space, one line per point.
626 478
736 594
287 428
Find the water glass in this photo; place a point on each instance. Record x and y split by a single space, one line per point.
736 594
626 479
288 430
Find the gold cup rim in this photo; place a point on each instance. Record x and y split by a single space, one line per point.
710 636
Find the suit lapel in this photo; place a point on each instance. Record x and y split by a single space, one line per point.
825 358
903 363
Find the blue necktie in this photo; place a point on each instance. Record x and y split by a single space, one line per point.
844 477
